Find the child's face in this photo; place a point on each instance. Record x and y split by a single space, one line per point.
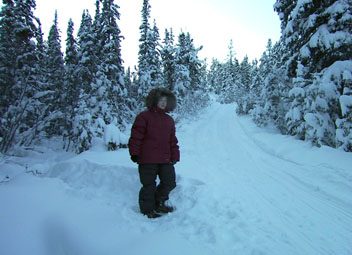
162 103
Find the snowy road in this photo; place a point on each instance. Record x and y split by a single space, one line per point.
265 204
241 190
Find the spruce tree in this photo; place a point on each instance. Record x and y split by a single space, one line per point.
230 75
155 58
275 91
71 83
144 79
7 59
55 74
18 59
96 32
71 62
194 62
43 94
266 65
214 76
243 99
344 122
168 59
271 87
182 71
41 49
82 129
110 74
128 78
318 36
245 71
103 98
187 76
255 87
132 91
87 59
149 65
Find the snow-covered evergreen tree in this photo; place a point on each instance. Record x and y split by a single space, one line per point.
155 58
144 79
204 77
82 129
265 67
7 68
7 55
44 93
245 80
82 124
26 73
105 94
168 59
319 38
110 72
270 89
100 63
188 64
214 76
71 61
255 86
275 90
96 31
55 78
182 72
224 78
230 77
187 76
41 49
18 73
72 83
132 90
149 72
344 123
87 59
245 69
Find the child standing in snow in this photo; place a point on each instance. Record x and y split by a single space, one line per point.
154 147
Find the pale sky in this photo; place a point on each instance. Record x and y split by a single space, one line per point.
211 23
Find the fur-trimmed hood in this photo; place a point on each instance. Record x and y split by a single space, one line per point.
154 96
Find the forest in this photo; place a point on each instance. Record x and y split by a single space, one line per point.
301 85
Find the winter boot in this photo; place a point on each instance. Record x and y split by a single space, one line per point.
161 207
152 215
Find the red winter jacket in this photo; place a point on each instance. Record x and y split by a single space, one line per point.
153 138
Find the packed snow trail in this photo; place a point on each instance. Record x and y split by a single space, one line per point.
241 190
269 202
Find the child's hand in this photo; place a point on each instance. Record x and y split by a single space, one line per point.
134 158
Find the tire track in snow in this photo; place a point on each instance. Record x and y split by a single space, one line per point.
301 181
331 210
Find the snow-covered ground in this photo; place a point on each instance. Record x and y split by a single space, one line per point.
241 190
